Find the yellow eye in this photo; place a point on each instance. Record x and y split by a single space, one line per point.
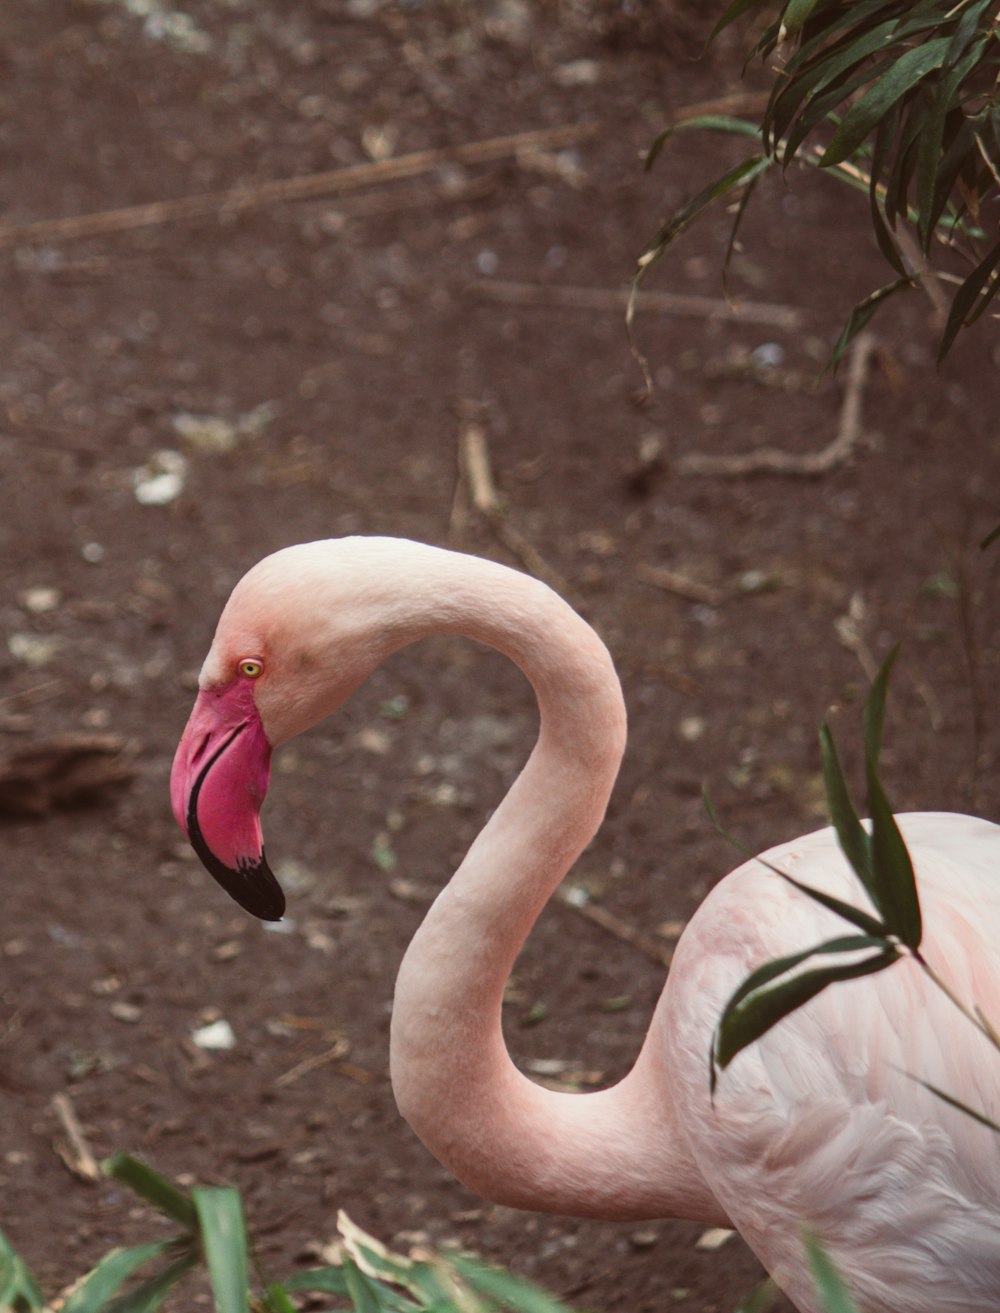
251 667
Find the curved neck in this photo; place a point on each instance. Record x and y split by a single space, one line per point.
614 1153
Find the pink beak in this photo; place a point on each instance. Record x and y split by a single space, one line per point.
217 786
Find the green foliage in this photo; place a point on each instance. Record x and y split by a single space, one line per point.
879 858
898 98
369 1278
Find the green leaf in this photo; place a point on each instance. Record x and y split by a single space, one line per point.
733 11
862 315
830 1287
904 73
276 1301
854 840
757 1010
892 869
18 1288
854 915
990 539
970 300
950 1099
874 709
722 123
224 1239
104 1281
504 1288
892 882
734 178
152 1187
327 1280
760 1299
795 14
147 1297
365 1294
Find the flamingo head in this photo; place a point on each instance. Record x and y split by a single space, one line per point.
295 638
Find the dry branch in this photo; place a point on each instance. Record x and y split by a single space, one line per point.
692 590
77 1155
237 200
335 1053
476 474
612 299
769 460
614 925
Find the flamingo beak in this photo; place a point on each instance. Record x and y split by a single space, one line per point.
217 786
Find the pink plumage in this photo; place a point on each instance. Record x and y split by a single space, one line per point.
820 1125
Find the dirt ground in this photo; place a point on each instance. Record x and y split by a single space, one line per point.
310 367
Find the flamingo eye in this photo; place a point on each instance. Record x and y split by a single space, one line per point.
251 667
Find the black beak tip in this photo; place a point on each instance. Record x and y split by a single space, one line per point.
252 884
256 890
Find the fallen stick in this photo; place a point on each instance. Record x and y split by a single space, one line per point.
769 460
613 299
692 590
77 1156
614 925
333 1054
236 200
477 476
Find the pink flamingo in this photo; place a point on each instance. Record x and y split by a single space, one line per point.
818 1125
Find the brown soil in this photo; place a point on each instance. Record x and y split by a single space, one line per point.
340 345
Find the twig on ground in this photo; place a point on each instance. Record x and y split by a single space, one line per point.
476 476
614 925
849 630
335 1053
236 200
669 581
769 460
614 299
77 1155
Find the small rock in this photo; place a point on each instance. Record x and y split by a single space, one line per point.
218 1037
127 1012
161 479
34 650
714 1238
40 600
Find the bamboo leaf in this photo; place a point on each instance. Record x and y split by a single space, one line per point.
904 73
364 1293
730 15
276 1300
224 1240
892 868
965 299
722 123
866 923
950 1099
147 1297
835 1296
854 840
874 709
893 884
796 14
759 1011
18 1288
506 1289
860 316
104 1281
326 1280
152 1187
990 539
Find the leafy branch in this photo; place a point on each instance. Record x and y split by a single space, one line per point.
879 858
901 100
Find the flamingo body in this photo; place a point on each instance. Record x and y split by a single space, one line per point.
822 1124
